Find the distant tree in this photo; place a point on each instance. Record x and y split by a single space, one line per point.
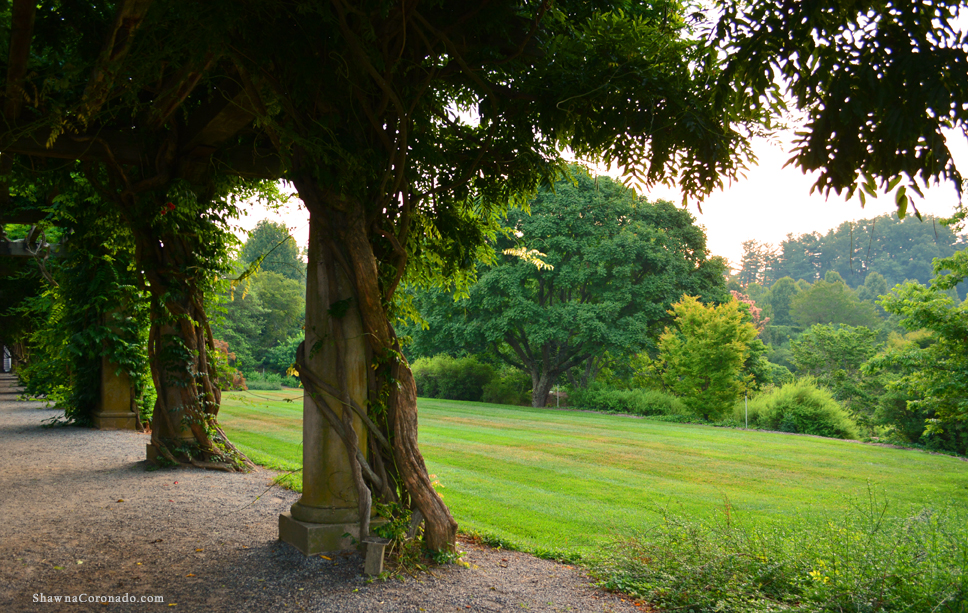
616 263
284 303
260 316
781 301
800 257
934 374
760 264
831 302
282 357
873 288
897 249
834 355
750 264
240 325
702 356
272 242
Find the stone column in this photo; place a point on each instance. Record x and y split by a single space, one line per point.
115 409
328 507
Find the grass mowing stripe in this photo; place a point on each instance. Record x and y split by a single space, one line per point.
572 481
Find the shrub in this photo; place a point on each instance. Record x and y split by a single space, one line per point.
263 381
635 401
800 407
445 376
281 357
290 381
864 560
509 386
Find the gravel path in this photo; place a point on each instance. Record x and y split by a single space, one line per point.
80 513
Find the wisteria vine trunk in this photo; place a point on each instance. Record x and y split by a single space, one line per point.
394 469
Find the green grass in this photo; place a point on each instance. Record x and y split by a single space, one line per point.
546 480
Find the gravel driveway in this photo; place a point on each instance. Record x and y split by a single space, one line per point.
80 513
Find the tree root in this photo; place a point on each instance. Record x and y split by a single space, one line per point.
213 466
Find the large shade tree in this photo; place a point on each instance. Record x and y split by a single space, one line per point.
602 268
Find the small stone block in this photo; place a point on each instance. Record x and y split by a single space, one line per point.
311 539
115 421
375 550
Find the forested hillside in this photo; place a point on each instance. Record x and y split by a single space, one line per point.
897 249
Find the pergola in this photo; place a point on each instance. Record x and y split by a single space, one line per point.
216 136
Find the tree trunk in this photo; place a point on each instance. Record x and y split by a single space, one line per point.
184 428
391 392
175 258
541 387
183 425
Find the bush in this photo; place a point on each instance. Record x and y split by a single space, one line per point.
451 378
509 386
290 381
867 560
799 407
263 381
635 401
779 374
281 357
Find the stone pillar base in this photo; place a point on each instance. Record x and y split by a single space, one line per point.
115 421
311 538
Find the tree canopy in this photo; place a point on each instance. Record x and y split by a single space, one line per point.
936 375
896 249
875 82
703 353
602 268
271 243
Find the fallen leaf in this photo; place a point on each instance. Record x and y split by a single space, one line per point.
58 568
199 550
190 575
80 561
120 499
326 558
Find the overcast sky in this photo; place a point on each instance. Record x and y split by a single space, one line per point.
766 206
774 201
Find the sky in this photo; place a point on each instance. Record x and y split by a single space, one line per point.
768 204
773 201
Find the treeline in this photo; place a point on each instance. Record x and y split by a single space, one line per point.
615 302
261 317
898 250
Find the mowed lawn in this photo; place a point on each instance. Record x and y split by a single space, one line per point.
545 479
